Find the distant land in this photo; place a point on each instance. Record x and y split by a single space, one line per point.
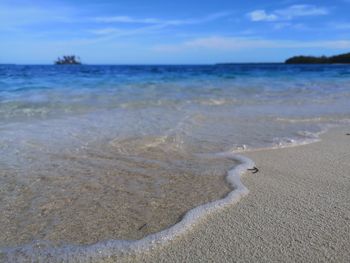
338 59
68 60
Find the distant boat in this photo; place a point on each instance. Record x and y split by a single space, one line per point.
68 60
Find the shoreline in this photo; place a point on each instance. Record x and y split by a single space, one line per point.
298 210
159 242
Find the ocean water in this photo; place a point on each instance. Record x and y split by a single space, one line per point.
91 153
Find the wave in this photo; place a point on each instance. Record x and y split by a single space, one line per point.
331 119
309 137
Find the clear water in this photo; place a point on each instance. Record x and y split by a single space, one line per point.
204 107
79 139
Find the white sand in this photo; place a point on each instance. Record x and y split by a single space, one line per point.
298 210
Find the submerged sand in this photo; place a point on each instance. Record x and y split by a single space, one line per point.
81 198
298 210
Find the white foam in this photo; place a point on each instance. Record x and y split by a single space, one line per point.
42 251
309 137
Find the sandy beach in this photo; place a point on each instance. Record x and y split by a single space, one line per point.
298 210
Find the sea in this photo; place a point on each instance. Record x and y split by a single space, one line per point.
94 153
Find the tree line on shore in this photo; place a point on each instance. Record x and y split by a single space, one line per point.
338 59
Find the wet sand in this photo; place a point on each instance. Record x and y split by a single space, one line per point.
85 197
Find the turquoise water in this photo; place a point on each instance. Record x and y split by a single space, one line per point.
207 107
67 133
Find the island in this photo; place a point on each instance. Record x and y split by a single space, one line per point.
338 59
68 60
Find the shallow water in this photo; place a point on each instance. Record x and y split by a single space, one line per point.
91 153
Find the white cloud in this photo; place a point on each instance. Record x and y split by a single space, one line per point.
156 21
301 10
126 19
261 15
237 43
151 25
107 31
118 32
288 13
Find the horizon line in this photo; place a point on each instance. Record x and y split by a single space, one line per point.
141 64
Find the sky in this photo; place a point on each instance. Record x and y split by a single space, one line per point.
171 32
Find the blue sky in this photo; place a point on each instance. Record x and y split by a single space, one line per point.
171 32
